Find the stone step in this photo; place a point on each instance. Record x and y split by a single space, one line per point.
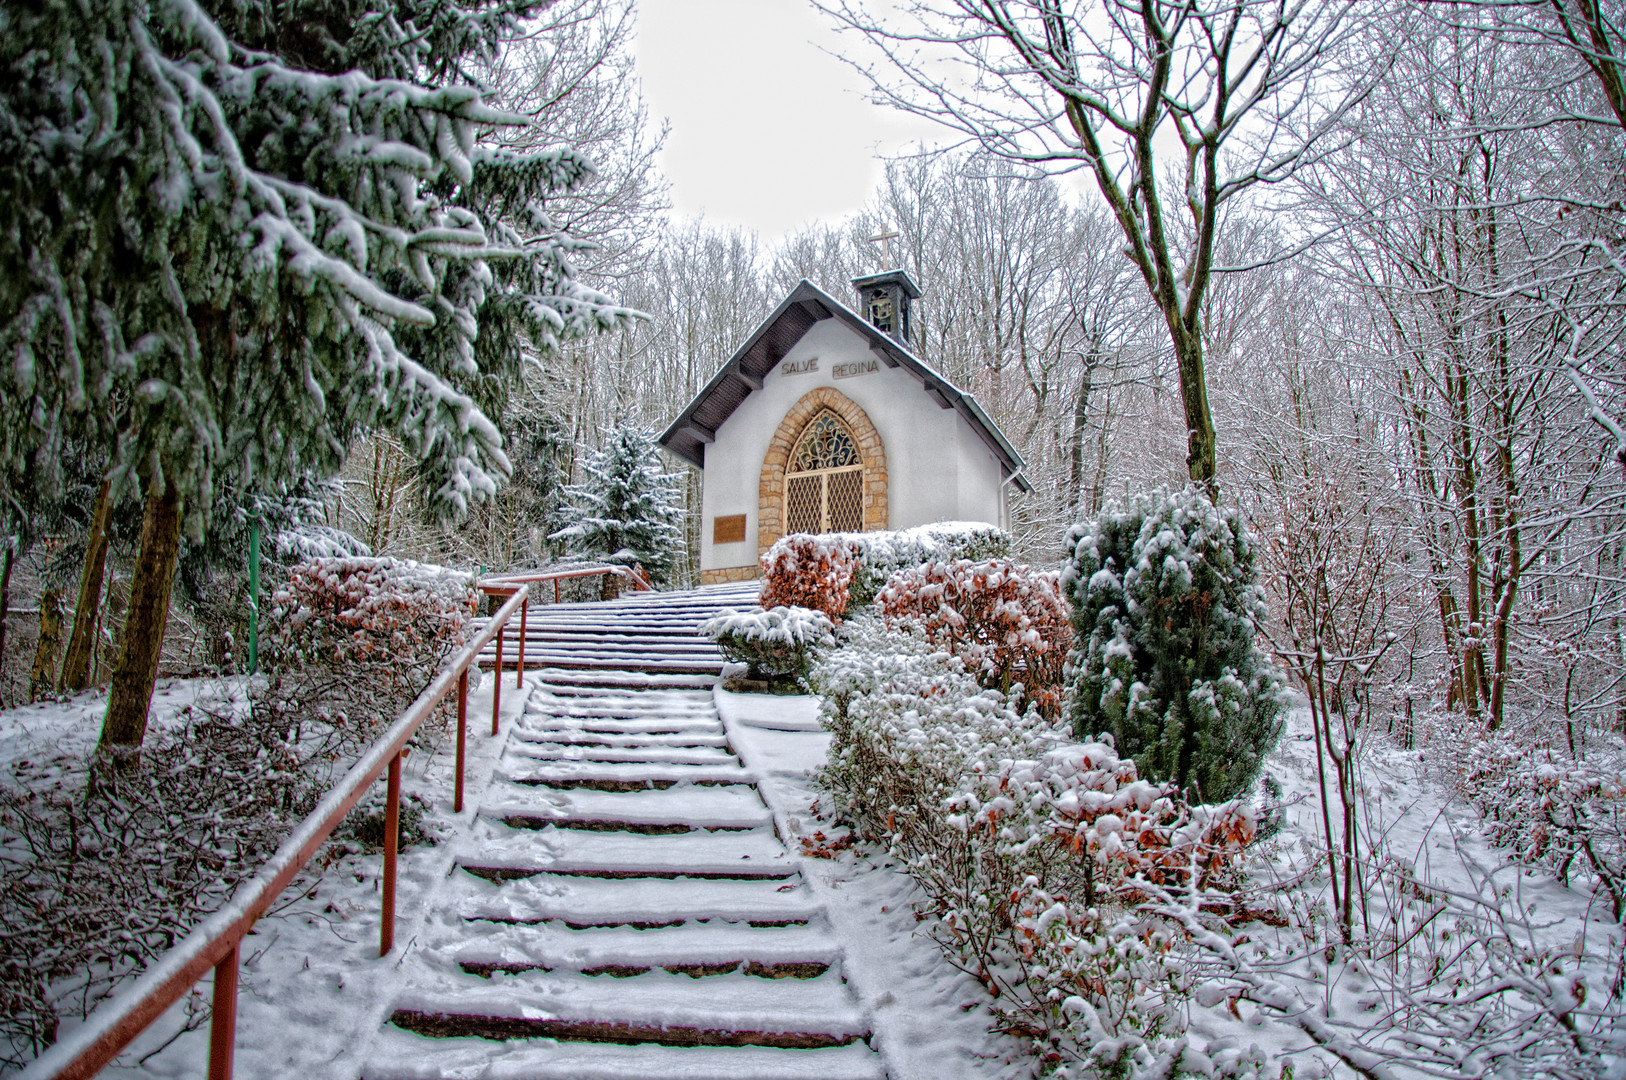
541 738
563 682
669 645
696 949
655 1007
662 754
641 903
504 854
676 809
573 662
657 723
519 768
403 1055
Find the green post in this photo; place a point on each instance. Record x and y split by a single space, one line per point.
253 592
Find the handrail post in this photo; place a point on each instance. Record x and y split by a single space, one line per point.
217 941
223 1016
496 684
519 679
462 728
392 825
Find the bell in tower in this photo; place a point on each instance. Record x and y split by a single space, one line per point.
883 300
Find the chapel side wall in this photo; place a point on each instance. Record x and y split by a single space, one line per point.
980 493
937 467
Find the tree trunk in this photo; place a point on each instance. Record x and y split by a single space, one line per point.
142 642
5 599
76 667
1200 437
42 675
1075 442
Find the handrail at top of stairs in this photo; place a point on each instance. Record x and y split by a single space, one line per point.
216 941
502 584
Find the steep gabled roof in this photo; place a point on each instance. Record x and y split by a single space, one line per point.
807 305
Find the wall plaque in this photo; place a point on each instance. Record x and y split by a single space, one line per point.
854 367
728 530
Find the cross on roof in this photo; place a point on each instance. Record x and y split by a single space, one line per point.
885 238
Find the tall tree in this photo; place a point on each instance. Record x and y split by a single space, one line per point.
1176 108
266 226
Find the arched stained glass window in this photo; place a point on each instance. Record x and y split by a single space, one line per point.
824 486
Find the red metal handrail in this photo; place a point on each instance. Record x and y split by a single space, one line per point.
507 584
214 943
496 583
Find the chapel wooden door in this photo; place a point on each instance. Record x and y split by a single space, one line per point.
824 485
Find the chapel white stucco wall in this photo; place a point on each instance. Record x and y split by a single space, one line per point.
938 468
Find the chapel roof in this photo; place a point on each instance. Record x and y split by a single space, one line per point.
806 306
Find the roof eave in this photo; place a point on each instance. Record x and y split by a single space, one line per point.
1011 463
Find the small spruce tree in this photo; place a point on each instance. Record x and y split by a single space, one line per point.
627 511
1165 608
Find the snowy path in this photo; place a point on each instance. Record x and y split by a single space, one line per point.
623 904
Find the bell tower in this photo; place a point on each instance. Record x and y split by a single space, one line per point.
884 299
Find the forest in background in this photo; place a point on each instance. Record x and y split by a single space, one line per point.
1412 342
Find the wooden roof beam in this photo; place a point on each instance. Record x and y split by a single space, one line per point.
751 381
698 432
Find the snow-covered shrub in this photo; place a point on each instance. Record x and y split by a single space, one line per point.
96 887
1032 849
1005 620
1166 607
814 567
808 571
1554 811
356 610
350 642
882 554
776 643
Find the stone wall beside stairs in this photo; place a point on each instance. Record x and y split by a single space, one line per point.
730 574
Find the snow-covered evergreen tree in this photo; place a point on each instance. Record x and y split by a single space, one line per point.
237 233
1165 608
627 510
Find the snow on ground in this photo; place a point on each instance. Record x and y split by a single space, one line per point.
312 987
930 1020
58 736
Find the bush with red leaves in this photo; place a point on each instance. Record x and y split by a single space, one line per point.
807 571
351 610
351 641
1007 621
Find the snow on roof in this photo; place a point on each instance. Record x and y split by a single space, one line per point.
806 306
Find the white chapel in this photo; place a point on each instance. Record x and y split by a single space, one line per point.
825 420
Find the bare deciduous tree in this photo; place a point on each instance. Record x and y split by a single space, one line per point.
1175 109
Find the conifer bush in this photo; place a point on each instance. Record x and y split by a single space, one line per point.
1007 621
777 644
1165 609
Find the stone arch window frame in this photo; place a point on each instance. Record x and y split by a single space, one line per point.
801 415
826 474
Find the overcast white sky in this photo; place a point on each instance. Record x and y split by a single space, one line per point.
768 131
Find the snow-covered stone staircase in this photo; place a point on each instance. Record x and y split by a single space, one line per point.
621 904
